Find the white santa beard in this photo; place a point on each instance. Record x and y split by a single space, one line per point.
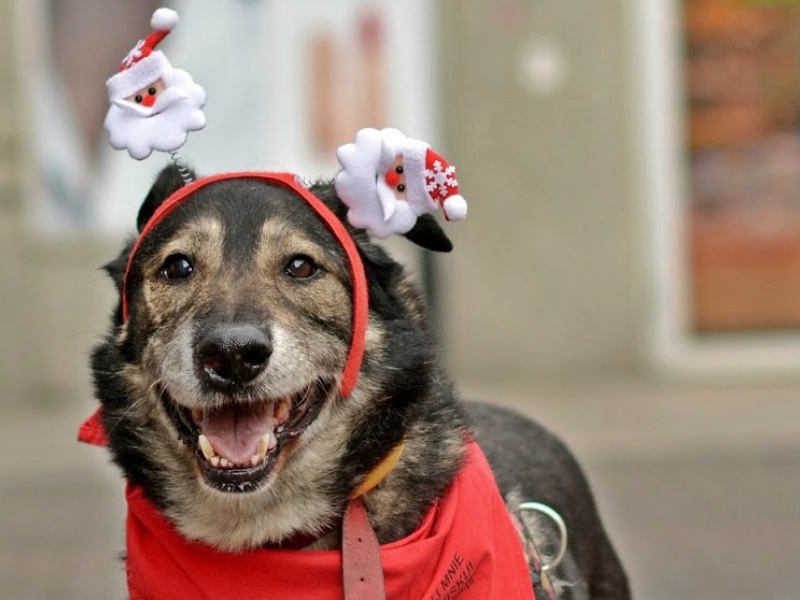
165 131
356 186
181 79
370 217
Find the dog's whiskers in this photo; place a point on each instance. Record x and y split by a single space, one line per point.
152 388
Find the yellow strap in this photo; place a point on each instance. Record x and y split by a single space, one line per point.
380 472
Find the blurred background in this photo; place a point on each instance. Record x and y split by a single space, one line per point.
629 273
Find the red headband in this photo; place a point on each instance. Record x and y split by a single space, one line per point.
287 180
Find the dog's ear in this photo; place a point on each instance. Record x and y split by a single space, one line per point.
116 269
167 182
428 234
325 191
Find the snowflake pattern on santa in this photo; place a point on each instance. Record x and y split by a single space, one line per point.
440 181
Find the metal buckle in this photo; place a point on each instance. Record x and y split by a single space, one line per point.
562 530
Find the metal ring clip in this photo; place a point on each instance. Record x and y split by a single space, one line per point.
562 530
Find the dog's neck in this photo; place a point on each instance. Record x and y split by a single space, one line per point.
379 473
362 572
332 537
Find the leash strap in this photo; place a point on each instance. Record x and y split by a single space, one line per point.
362 572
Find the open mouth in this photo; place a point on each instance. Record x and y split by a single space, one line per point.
237 444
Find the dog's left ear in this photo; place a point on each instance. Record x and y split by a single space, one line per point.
168 182
428 234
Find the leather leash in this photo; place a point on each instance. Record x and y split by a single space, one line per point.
362 572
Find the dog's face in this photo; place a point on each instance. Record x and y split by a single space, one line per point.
220 389
245 303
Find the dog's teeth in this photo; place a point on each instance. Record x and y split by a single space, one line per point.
255 460
224 463
273 441
282 411
205 447
214 461
263 446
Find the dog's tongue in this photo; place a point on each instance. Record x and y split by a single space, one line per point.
235 432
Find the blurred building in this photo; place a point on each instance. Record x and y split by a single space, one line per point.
546 278
11 185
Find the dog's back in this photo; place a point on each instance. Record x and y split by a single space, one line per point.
531 464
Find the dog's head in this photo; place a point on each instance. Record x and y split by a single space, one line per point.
220 381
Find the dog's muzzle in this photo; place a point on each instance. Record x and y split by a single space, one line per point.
232 356
237 444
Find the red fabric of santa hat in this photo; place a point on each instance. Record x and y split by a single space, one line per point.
144 64
431 181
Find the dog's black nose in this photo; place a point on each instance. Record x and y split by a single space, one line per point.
233 354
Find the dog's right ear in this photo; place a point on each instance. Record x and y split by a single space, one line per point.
167 182
429 235
116 268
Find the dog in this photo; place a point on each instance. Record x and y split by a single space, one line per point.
220 389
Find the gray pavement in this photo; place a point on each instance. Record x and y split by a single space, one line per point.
699 487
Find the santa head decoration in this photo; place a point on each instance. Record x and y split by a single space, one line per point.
431 181
153 105
144 64
388 180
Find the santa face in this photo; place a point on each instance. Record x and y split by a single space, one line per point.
372 183
396 180
157 117
147 95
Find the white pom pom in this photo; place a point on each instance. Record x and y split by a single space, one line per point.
164 18
455 208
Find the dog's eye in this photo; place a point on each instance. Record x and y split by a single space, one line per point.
301 267
177 266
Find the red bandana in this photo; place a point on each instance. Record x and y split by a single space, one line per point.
466 548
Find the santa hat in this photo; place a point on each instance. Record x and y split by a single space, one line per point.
144 64
431 181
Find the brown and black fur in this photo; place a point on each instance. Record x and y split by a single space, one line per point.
240 235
